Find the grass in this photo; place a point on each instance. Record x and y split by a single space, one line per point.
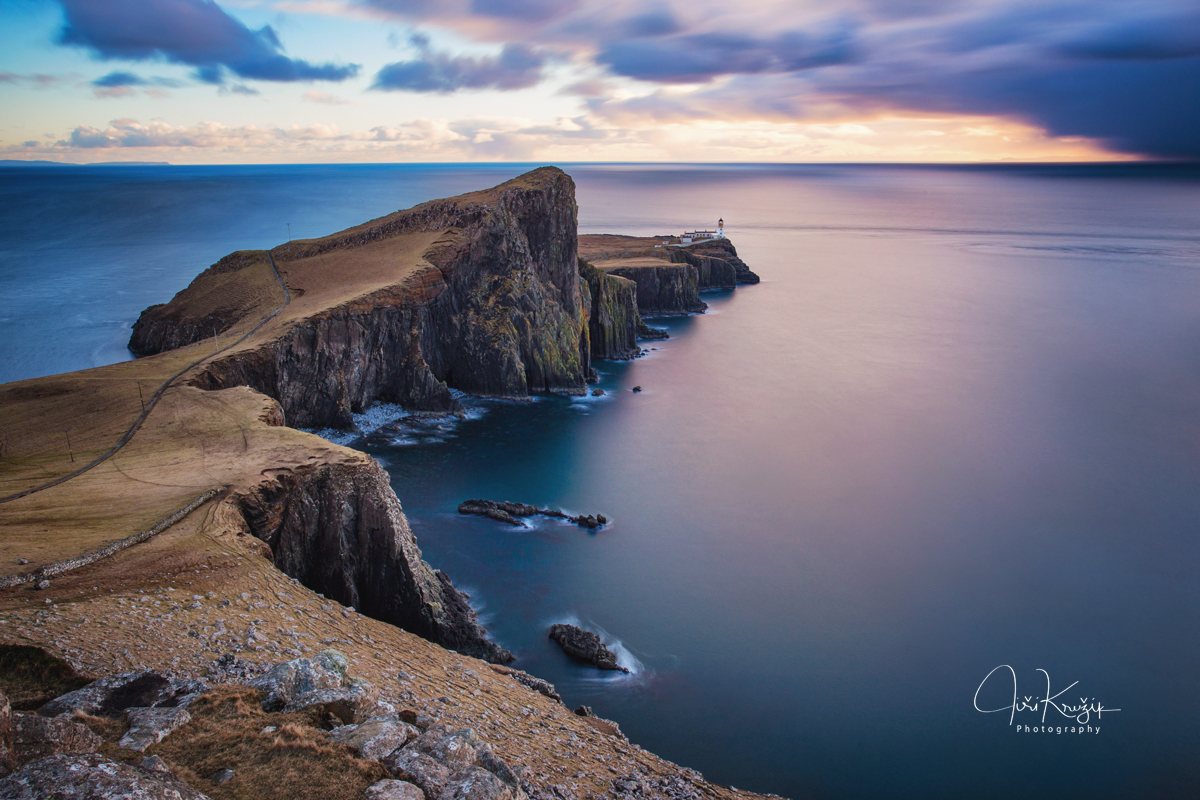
30 677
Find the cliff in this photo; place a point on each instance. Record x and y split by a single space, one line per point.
669 278
614 324
339 530
322 514
478 293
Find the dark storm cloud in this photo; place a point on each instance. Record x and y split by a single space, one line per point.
518 66
193 32
1126 73
698 58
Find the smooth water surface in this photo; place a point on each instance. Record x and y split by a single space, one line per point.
957 426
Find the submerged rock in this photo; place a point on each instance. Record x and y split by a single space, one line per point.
585 646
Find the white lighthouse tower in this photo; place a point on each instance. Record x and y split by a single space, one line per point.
721 228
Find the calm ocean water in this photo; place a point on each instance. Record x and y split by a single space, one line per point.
957 426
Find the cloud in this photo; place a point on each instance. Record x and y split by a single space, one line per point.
118 79
36 80
327 99
193 32
698 58
517 67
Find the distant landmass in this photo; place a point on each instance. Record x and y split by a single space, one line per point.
14 162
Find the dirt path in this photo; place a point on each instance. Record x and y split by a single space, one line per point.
137 424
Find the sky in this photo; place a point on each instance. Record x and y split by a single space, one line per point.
309 81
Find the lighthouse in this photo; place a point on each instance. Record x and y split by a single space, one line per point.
721 228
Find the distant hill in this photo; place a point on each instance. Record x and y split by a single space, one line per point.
13 162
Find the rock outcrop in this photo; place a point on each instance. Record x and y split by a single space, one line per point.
339 530
584 645
511 512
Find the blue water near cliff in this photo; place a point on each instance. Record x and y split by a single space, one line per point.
957 426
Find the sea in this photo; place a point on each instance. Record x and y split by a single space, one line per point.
866 518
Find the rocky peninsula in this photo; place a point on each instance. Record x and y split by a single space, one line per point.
668 274
166 514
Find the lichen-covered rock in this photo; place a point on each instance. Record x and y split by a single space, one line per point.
284 683
375 739
475 783
91 777
393 790
350 704
454 748
109 697
417 767
584 645
149 726
37 737
8 756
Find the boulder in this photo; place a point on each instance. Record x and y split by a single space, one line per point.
476 783
351 704
149 726
453 748
109 697
37 737
376 738
8 755
91 777
393 790
416 767
155 764
585 646
285 683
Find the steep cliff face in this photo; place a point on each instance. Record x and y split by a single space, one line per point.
663 288
614 324
339 530
478 293
723 251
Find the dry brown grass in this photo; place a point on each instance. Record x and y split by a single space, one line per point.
31 677
296 761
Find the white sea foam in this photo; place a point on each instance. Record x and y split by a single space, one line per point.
411 430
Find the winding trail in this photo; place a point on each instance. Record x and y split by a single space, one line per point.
137 424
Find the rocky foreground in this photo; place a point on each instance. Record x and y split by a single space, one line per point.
219 540
301 728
